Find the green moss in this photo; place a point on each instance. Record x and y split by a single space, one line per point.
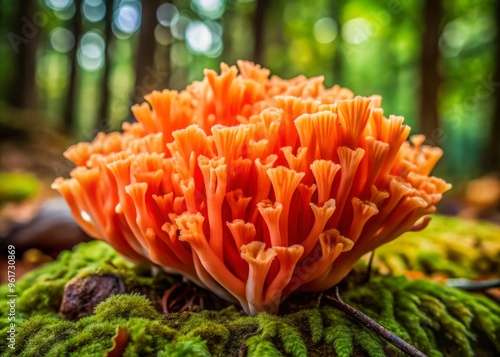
44 287
315 321
186 346
46 296
292 340
457 248
436 319
93 338
258 346
28 330
407 313
147 337
125 307
340 333
421 306
216 335
429 322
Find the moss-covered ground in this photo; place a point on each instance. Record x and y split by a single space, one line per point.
437 319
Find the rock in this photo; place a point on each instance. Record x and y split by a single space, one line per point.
81 296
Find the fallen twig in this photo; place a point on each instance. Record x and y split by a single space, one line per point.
374 326
369 268
318 300
242 352
470 285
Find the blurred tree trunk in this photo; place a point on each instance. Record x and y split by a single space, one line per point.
103 118
337 59
165 62
71 100
24 40
166 67
228 21
258 30
429 68
147 77
492 154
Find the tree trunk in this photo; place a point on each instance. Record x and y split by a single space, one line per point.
103 118
147 77
431 78
165 65
492 154
258 30
23 40
337 59
71 100
227 48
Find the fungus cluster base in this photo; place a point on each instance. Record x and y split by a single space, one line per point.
436 319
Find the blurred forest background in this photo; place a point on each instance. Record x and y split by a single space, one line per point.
71 68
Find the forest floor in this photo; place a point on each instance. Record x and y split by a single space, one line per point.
104 305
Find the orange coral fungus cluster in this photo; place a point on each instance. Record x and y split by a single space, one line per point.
254 187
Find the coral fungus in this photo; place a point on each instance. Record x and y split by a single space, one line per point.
254 187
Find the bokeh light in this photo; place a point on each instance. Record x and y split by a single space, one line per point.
198 37
59 5
325 30
163 35
217 46
454 37
63 9
179 25
94 10
357 31
209 9
215 27
128 17
61 39
167 14
91 52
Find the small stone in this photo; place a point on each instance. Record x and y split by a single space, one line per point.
81 296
